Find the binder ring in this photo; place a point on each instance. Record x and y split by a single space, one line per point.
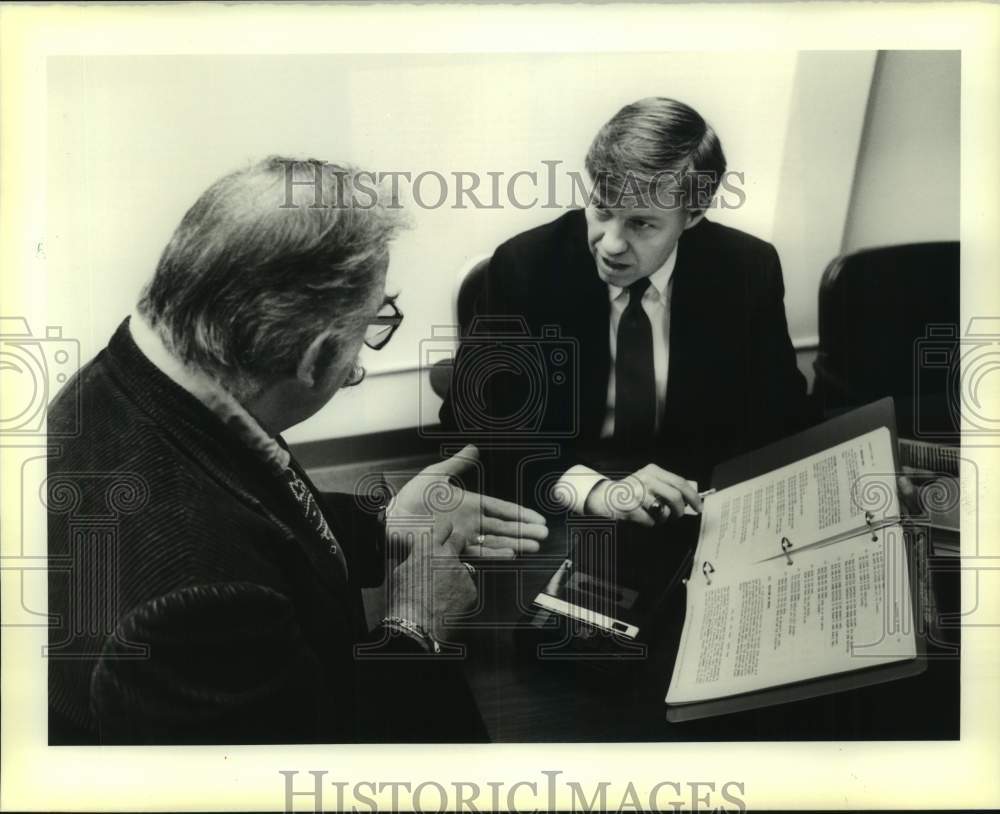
869 516
707 570
786 545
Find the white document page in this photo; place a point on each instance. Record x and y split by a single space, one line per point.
836 608
825 495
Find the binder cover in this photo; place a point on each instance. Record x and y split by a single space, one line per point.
789 450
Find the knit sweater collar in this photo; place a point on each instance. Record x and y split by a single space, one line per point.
196 427
209 392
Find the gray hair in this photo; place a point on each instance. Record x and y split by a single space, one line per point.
268 258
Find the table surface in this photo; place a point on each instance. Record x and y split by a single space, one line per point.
524 698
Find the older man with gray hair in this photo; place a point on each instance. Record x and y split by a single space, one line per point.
222 604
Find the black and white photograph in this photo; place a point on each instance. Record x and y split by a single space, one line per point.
456 423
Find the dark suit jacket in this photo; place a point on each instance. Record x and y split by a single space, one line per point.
193 602
732 386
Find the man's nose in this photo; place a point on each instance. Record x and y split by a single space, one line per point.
613 241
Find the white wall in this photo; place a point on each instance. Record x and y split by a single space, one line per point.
907 186
827 115
134 140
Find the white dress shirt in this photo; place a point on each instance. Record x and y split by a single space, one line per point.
579 480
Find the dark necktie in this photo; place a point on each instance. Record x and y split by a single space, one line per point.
635 381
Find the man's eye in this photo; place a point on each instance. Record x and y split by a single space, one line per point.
639 225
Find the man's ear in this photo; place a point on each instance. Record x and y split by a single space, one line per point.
693 219
315 360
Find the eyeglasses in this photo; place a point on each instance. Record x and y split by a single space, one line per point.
377 336
384 325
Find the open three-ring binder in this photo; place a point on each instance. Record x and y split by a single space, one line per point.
800 583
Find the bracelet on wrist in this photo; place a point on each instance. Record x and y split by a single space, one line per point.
414 631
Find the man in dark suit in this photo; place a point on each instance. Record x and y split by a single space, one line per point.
677 323
202 589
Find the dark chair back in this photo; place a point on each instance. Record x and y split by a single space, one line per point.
878 309
468 292
465 309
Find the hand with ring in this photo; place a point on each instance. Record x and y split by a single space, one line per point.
647 497
483 526
432 585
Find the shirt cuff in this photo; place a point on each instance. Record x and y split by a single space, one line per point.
575 485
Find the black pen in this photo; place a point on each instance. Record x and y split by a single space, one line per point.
554 586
